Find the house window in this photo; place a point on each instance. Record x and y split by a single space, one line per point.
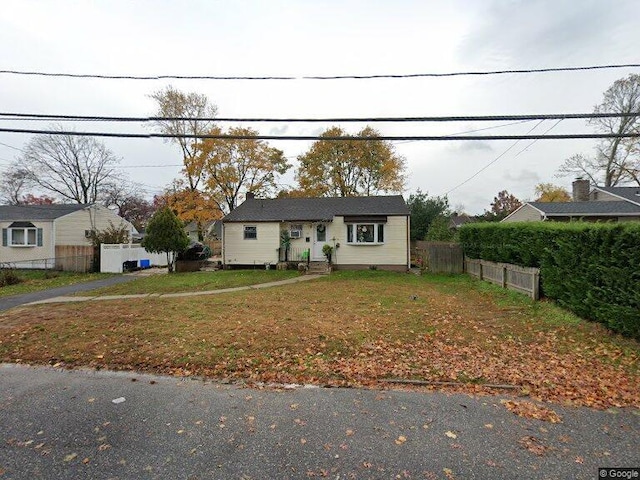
250 232
23 237
365 233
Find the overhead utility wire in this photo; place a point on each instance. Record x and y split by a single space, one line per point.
502 155
318 137
475 118
319 77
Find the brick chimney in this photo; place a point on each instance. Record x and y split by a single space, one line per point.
250 195
580 190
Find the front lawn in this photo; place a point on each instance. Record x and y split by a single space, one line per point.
35 280
350 328
195 281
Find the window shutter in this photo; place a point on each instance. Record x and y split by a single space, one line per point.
39 241
5 235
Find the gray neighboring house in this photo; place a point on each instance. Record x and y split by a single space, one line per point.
611 204
212 230
364 232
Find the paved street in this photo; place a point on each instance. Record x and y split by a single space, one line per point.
84 424
15 300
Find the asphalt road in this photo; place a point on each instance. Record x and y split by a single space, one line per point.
58 424
16 300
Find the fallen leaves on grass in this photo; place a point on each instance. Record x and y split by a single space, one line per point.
462 337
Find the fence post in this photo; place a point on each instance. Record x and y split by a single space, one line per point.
535 291
504 276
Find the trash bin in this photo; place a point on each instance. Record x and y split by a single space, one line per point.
146 263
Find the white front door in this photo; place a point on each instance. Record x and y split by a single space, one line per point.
320 231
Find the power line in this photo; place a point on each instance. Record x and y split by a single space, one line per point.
331 138
492 161
11 146
319 77
474 118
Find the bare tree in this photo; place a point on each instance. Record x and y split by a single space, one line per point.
72 167
617 160
173 103
14 184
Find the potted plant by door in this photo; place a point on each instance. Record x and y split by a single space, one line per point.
327 250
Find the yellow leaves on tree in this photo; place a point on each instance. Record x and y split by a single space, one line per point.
349 167
233 166
191 205
547 192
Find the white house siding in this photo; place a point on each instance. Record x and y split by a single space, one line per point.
27 254
70 229
393 252
264 249
525 214
601 196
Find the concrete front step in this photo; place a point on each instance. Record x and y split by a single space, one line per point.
320 268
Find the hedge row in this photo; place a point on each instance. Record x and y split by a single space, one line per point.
591 269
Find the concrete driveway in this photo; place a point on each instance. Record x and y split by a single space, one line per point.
85 424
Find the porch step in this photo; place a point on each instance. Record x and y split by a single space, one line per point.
319 268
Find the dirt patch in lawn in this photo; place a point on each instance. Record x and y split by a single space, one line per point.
343 330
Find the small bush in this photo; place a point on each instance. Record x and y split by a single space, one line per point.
9 277
51 274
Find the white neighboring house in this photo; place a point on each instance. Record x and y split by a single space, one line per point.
364 232
47 236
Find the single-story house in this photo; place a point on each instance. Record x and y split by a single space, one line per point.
53 236
364 232
212 230
612 204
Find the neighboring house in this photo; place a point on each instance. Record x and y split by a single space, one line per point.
612 204
363 231
212 230
47 236
458 220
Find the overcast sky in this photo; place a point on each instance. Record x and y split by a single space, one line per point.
304 38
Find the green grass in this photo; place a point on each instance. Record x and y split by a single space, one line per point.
36 280
196 281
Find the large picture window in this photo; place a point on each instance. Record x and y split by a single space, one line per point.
365 233
250 232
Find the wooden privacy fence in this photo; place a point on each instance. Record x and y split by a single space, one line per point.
74 258
513 277
440 257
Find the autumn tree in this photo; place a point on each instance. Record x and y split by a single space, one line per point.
165 234
233 166
616 160
424 210
350 167
547 192
189 205
503 205
130 204
186 110
72 167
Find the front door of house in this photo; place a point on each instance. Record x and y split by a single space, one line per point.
319 240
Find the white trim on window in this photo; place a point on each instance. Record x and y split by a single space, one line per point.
23 237
369 233
250 232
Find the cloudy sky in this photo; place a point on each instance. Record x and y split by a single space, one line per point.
306 38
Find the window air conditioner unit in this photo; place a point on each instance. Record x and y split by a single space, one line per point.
295 234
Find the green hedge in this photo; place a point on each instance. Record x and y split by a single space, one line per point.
591 269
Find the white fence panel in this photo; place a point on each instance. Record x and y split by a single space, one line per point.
113 256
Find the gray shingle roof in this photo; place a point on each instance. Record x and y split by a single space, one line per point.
630 193
315 209
36 212
587 208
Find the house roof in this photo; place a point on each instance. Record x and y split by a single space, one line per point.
632 194
10 213
593 208
315 209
